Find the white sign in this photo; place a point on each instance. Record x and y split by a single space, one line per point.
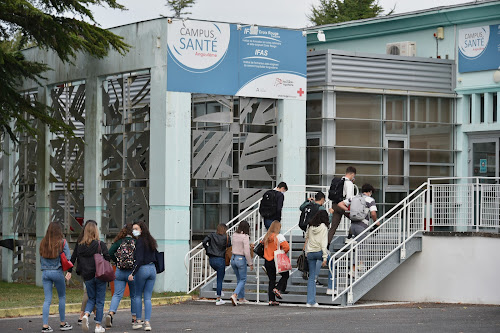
198 46
473 41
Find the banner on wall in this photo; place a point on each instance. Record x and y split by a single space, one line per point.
479 49
225 59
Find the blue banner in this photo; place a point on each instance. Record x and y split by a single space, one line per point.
479 49
227 59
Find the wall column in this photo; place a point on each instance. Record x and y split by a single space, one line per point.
7 206
42 184
170 179
93 151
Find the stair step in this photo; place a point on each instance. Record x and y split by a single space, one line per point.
287 298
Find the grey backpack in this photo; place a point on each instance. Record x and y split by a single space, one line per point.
358 209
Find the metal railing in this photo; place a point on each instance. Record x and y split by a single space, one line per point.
466 204
198 269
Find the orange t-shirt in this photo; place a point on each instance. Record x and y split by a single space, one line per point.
272 245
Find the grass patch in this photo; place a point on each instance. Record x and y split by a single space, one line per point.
16 295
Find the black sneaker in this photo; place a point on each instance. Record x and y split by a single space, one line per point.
79 321
65 327
109 320
319 283
47 329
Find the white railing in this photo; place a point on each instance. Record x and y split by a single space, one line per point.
368 249
466 204
198 269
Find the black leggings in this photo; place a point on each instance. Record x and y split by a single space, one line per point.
271 274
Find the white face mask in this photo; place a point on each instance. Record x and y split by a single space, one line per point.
136 233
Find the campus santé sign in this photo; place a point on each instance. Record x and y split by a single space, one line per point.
229 59
479 49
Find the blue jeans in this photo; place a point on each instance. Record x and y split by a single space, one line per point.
267 223
144 282
219 265
239 265
53 277
96 290
312 258
121 281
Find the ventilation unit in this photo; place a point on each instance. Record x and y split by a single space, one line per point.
407 49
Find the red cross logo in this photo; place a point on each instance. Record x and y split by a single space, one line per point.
300 92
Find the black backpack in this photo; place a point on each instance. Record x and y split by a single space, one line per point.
336 191
307 214
268 204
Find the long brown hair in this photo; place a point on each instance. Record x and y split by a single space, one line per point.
51 244
126 230
146 236
273 229
90 233
221 229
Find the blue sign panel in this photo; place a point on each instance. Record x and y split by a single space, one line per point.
479 49
226 59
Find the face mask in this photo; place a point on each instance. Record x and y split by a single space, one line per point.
136 233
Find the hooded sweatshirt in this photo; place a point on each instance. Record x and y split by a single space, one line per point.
216 244
317 239
83 256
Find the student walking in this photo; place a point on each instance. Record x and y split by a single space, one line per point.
83 257
215 245
316 247
271 204
345 191
240 259
122 254
272 240
144 274
51 247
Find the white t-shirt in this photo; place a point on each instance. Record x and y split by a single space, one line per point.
348 188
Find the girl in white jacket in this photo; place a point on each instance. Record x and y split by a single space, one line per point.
316 249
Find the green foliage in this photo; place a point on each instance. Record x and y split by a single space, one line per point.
46 24
336 11
178 6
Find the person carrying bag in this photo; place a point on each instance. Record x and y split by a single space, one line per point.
274 242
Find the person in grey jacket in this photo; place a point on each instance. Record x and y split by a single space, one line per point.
51 247
215 245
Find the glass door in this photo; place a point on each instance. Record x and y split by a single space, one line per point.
396 169
484 157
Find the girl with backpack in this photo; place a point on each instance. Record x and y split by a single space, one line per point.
272 240
215 245
144 273
83 256
240 259
316 247
122 253
51 247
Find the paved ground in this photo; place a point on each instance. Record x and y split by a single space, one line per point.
197 316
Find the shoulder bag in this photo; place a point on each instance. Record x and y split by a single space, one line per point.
160 262
103 269
65 263
229 252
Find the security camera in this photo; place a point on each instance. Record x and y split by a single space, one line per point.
169 20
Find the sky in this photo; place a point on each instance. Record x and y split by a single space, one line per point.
282 13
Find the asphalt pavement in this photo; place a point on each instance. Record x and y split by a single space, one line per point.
202 316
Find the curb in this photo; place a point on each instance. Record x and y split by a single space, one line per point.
75 307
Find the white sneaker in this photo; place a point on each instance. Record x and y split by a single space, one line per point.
233 300
329 291
100 329
137 325
220 302
85 323
315 305
147 327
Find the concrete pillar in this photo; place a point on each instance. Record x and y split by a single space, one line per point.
291 161
476 108
328 138
93 151
7 206
462 164
170 151
42 184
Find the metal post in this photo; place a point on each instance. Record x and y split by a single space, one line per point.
478 216
428 208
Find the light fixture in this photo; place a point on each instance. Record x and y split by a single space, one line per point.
496 76
254 29
238 26
321 36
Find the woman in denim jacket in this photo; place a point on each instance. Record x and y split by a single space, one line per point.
51 247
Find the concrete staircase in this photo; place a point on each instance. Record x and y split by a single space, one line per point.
297 286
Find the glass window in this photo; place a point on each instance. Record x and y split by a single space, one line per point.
396 162
431 137
359 154
313 110
362 106
361 133
395 109
423 156
430 109
495 107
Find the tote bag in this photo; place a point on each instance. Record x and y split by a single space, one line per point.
281 261
103 269
65 263
160 262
